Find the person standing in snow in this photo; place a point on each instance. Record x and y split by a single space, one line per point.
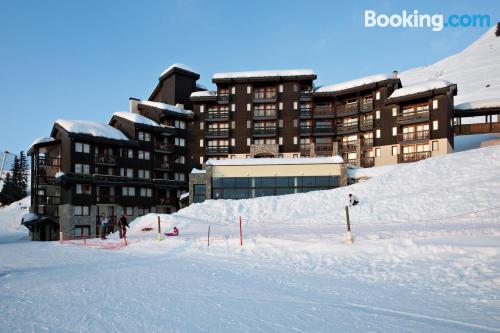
123 225
353 200
104 226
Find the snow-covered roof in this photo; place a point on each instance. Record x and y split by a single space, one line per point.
29 217
166 107
198 171
420 87
353 83
136 118
258 74
479 104
93 128
180 66
277 161
201 86
184 195
42 140
206 93
59 174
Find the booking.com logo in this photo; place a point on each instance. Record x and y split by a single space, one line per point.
416 20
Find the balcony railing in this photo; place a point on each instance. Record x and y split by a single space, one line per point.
264 131
348 145
49 161
366 106
367 162
324 129
264 114
493 127
305 130
305 112
223 98
347 128
105 159
105 198
413 157
166 201
414 136
217 132
366 143
413 117
366 125
165 147
44 180
48 200
214 150
324 148
305 95
305 149
163 165
323 111
264 96
347 109
217 115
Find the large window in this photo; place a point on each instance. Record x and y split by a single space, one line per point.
199 192
252 187
82 147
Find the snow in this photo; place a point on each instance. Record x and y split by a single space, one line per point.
479 104
59 174
178 65
265 73
198 171
93 128
473 141
474 70
365 173
354 83
184 195
419 88
11 216
166 107
29 217
41 140
277 161
136 118
207 93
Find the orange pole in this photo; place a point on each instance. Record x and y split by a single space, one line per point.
241 233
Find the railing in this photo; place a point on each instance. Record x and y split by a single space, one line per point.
348 145
366 125
217 115
366 105
367 143
49 200
49 161
162 146
44 180
223 98
163 165
324 148
166 201
264 113
305 129
105 198
320 111
264 96
347 128
305 148
477 128
105 159
217 150
305 95
305 112
347 109
414 136
220 132
264 131
352 161
413 116
367 161
325 129
413 157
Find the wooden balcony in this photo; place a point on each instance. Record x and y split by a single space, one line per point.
347 128
305 95
324 148
264 131
413 157
305 149
323 112
465 129
217 116
49 161
348 146
366 106
265 114
305 130
367 162
305 112
45 180
48 200
106 160
164 147
264 97
326 130
366 143
414 136
347 109
413 117
164 201
163 165
217 150
217 132
105 199
223 98
366 125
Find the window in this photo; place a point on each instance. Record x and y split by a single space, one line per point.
201 159
249 142
295 155
280 140
202 126
180 176
394 131
143 155
82 230
249 89
199 191
233 142
146 192
129 211
142 211
82 147
295 105
180 160
233 107
435 104
201 142
280 88
181 142
233 90
143 136
81 210
202 108
130 153
249 107
435 145
435 125
394 150
249 124
377 114
82 169
144 174
394 112
377 95
180 124
377 134
83 189
128 191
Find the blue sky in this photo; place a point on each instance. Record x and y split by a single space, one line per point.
84 59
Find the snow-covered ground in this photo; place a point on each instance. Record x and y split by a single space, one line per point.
426 258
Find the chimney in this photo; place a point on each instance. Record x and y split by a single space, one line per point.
179 105
394 75
134 102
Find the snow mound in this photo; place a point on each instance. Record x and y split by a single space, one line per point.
136 118
419 88
353 83
474 70
265 73
93 128
11 216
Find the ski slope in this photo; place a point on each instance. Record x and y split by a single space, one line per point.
426 257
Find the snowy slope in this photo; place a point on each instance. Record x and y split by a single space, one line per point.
475 70
10 216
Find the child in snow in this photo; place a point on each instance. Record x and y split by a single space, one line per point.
123 225
174 233
353 200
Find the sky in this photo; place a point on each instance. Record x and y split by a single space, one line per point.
84 59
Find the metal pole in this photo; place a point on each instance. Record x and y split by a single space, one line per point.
159 229
349 234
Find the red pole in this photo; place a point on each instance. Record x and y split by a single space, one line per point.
241 234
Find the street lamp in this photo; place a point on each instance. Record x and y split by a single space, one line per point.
5 153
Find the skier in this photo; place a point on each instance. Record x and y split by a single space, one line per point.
123 225
104 226
353 200
174 233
